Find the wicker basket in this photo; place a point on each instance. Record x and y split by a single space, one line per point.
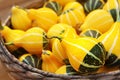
21 71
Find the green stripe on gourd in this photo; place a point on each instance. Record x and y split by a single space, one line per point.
112 60
91 5
91 33
114 13
45 41
32 60
54 6
70 70
93 64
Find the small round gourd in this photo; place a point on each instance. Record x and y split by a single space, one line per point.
32 60
91 5
66 70
54 6
90 33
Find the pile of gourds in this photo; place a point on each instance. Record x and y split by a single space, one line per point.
66 36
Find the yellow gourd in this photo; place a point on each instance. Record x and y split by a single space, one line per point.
86 55
73 17
43 17
59 52
49 61
20 19
96 20
73 5
63 2
111 41
32 41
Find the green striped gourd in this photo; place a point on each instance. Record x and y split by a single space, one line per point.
113 7
31 60
66 70
96 20
91 5
90 33
86 55
111 41
54 6
73 17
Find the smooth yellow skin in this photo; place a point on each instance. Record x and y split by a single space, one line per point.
32 40
61 70
63 2
75 49
73 5
73 18
50 62
20 19
111 4
11 35
96 20
43 17
58 50
111 40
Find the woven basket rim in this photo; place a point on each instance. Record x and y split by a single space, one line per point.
48 74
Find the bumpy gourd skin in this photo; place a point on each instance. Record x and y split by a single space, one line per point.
111 41
49 61
20 19
43 17
86 55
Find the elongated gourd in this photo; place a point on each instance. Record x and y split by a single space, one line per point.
32 41
49 62
20 19
111 41
86 55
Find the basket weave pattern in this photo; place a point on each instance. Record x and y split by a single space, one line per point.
21 71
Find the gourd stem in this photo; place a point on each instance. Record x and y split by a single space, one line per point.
118 11
1 27
9 43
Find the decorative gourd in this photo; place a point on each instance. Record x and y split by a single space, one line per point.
43 17
63 2
66 70
11 35
90 33
49 61
61 30
20 19
59 52
32 60
73 5
111 41
86 55
96 20
91 5
113 7
73 17
32 41
54 6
